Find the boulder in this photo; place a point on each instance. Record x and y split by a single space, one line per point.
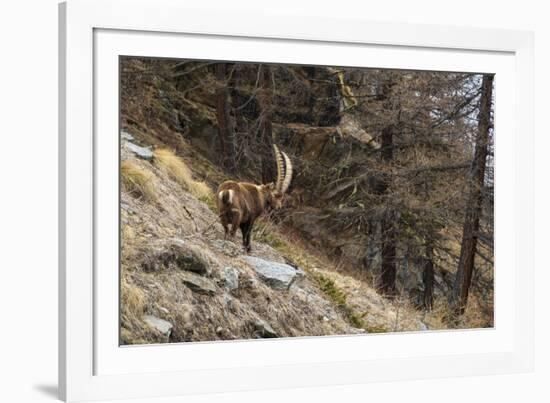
262 330
126 136
158 324
141 152
197 283
279 276
230 278
192 258
176 253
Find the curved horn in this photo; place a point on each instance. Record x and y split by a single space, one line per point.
288 173
280 168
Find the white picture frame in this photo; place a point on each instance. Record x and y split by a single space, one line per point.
94 33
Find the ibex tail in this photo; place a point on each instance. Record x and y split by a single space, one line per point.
226 197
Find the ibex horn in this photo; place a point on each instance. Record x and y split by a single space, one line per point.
288 173
280 168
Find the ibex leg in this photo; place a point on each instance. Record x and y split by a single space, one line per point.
246 229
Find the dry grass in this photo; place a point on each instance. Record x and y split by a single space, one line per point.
478 315
148 233
180 172
138 181
134 304
133 298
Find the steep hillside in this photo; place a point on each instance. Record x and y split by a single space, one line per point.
180 281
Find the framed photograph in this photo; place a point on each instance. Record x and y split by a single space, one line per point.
255 201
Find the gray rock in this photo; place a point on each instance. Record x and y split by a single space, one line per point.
141 152
176 253
126 136
177 241
422 326
279 276
192 259
197 283
262 330
158 324
229 303
231 278
126 207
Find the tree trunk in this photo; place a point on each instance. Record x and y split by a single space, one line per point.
471 222
428 277
225 125
373 240
269 172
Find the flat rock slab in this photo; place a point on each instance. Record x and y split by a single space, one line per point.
278 276
158 324
262 330
141 152
197 283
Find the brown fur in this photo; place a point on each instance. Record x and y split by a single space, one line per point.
241 203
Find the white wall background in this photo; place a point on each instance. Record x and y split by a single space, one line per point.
28 201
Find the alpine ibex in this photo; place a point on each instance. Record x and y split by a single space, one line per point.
241 203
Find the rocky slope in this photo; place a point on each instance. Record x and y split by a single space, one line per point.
181 282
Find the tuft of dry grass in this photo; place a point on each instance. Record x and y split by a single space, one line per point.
132 298
476 316
181 173
138 181
134 304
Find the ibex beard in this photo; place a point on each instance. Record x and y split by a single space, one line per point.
241 203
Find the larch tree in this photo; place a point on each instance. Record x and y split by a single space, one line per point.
470 230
